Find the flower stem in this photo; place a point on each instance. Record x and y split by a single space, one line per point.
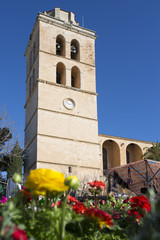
95 200
46 199
62 226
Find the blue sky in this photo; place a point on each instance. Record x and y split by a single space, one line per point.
127 60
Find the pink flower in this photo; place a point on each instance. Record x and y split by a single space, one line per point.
58 204
103 202
4 199
52 205
116 216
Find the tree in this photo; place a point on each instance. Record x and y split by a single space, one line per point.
7 129
153 152
10 151
14 161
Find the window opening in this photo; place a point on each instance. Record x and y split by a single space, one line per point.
128 156
75 50
73 82
75 77
104 159
61 74
70 169
60 46
59 78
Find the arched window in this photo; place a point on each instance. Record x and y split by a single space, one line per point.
60 45
75 52
75 77
61 74
104 159
128 157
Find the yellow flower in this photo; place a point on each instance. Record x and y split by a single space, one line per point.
40 181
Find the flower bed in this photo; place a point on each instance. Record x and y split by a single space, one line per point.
44 210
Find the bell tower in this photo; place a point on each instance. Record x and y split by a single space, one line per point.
61 127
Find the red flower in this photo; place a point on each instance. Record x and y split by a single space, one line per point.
141 202
59 203
97 184
26 194
135 213
79 207
102 217
126 200
138 203
72 199
113 204
19 234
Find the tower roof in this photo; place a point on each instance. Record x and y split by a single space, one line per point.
60 14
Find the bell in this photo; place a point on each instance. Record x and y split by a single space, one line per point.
58 46
73 49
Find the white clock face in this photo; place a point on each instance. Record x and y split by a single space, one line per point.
69 103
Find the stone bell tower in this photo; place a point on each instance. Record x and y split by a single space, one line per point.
61 127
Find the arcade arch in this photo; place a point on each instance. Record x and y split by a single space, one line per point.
133 153
111 154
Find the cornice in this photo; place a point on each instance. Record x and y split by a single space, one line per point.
67 87
71 27
122 138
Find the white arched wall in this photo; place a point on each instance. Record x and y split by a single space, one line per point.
139 147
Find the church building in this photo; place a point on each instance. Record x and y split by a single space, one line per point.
61 125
